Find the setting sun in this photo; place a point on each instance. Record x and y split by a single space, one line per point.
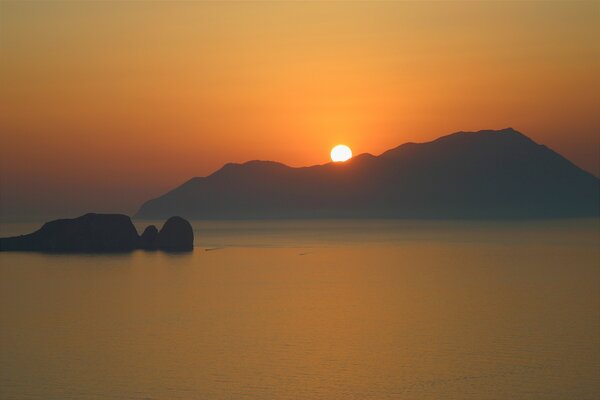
341 152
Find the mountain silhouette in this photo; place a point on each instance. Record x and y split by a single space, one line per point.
485 174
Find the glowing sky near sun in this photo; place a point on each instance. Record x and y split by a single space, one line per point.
104 105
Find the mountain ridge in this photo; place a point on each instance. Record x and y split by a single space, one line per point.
483 174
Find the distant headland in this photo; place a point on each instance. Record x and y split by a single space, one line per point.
489 174
103 233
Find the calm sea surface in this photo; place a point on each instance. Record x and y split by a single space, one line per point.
311 310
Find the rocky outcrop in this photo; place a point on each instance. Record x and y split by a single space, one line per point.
176 235
102 233
148 238
88 233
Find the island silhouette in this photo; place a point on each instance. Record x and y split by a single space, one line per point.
489 174
103 233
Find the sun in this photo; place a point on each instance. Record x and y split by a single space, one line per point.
341 152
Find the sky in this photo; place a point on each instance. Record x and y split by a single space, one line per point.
104 105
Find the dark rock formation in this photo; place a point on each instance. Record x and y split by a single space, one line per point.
88 233
176 235
102 233
148 238
485 174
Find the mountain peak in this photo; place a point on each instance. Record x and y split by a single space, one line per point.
485 134
463 138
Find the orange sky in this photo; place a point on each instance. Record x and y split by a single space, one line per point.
104 105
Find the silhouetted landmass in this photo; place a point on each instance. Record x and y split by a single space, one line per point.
102 233
485 174
176 235
148 238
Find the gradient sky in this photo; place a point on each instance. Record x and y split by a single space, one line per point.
104 105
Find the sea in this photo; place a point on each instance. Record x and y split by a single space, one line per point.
312 309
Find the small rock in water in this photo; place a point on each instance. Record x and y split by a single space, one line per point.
176 235
148 238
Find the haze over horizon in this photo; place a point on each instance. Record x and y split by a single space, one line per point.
105 105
